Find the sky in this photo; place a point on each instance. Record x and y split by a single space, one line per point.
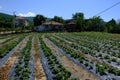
62 8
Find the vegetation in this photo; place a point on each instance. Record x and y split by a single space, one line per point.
6 24
58 19
38 20
79 21
8 47
57 69
22 69
89 49
97 53
95 23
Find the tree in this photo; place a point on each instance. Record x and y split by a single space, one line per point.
58 19
95 24
79 21
111 26
118 28
39 19
6 23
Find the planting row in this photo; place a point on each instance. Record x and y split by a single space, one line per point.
87 48
56 69
7 48
102 70
23 70
9 38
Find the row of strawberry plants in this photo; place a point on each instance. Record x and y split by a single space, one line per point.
7 48
112 43
85 49
88 48
90 43
108 43
97 48
72 53
9 39
102 69
111 60
5 58
22 70
56 68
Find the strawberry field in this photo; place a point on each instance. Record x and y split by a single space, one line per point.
60 56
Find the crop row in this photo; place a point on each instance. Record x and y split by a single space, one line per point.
85 47
22 69
101 69
9 39
7 48
56 68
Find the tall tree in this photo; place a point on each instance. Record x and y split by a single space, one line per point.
58 19
79 21
111 25
39 19
95 24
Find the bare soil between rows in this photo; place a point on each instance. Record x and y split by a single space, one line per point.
39 71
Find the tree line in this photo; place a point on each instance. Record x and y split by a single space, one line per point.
95 23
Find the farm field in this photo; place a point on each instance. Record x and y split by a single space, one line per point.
60 56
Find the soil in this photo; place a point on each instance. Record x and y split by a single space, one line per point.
5 69
76 70
39 71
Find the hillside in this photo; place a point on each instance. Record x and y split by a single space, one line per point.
5 15
30 19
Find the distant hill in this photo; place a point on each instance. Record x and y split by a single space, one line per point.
30 19
5 15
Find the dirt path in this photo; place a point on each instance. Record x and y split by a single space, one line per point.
38 72
5 69
76 70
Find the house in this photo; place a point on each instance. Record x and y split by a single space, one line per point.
70 25
50 26
20 22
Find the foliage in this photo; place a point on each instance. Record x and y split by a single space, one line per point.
95 24
79 21
111 26
58 19
39 19
6 22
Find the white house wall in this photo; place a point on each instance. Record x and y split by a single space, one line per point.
46 28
